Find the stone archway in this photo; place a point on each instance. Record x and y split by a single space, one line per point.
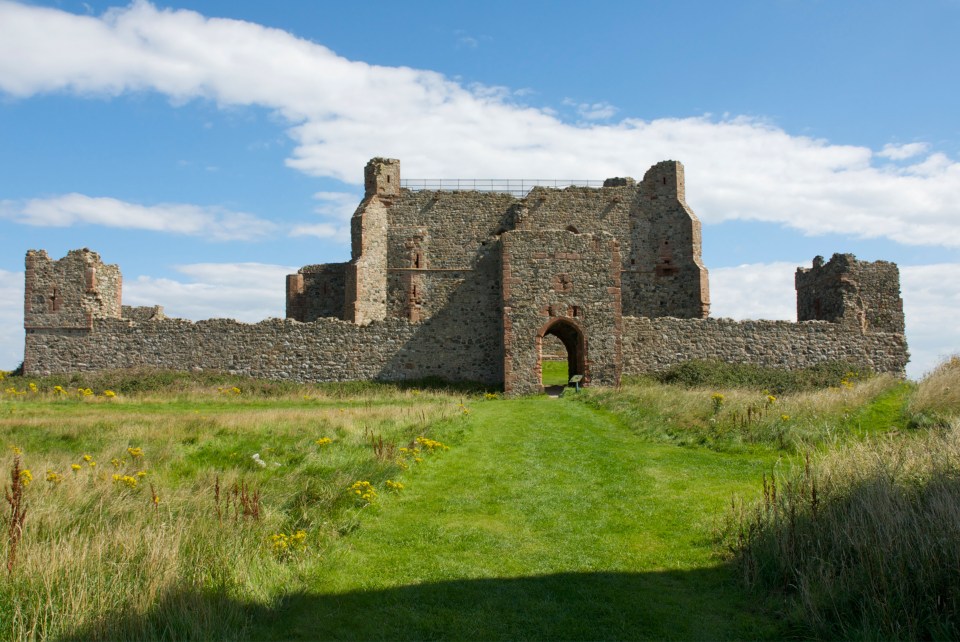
573 338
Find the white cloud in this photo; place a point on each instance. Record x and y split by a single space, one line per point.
592 111
341 113
337 206
901 152
754 291
931 302
244 291
11 319
178 218
931 299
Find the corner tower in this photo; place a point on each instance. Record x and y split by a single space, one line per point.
859 294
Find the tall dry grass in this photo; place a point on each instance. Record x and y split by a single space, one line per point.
864 542
100 559
738 418
938 395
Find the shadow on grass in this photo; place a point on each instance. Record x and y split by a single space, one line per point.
700 604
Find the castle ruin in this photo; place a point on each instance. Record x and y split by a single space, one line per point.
474 286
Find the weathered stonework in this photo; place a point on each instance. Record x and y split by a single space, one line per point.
480 286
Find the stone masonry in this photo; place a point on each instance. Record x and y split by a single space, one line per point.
471 286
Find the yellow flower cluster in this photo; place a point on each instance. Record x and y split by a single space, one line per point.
58 390
784 417
394 486
84 392
15 450
490 396
229 391
33 387
118 463
109 394
75 467
430 444
717 399
283 545
365 491
135 452
323 441
54 477
26 477
127 480
771 400
463 409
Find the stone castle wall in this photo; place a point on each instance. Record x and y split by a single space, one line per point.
653 345
472 286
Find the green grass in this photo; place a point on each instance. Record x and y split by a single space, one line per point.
601 515
554 373
546 520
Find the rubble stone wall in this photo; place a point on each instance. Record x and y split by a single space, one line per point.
653 345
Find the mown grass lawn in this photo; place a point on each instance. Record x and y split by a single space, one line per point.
547 519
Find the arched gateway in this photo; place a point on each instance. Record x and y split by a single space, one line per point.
573 339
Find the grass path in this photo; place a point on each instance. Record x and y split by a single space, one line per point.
547 519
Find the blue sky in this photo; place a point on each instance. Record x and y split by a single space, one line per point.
211 147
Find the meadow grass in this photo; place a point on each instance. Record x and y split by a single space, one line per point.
135 498
741 419
575 518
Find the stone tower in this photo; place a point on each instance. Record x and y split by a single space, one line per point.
861 294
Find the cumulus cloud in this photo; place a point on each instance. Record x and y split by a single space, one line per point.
931 299
901 152
754 291
178 218
340 113
244 291
592 111
11 319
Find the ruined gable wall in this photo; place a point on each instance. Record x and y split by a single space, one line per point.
653 345
665 275
69 292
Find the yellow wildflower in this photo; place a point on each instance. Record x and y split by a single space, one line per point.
75 467
54 477
136 452
26 477
323 441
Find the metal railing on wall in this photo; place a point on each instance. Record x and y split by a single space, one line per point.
518 187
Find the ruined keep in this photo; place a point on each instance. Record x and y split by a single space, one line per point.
468 285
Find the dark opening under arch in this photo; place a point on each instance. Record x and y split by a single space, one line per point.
573 339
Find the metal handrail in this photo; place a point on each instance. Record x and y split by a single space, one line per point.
518 187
